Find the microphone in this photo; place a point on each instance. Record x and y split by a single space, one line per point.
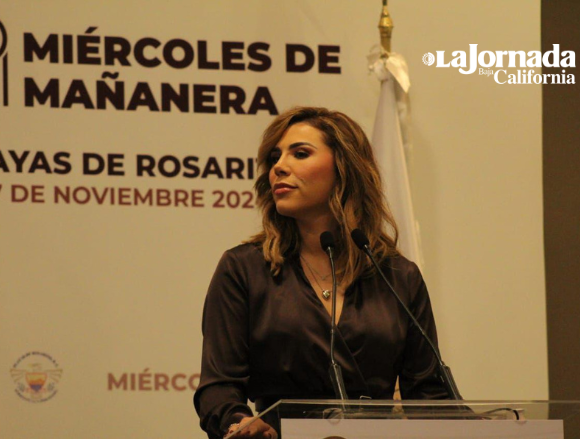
327 241
445 374
335 372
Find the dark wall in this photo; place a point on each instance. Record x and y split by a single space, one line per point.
561 156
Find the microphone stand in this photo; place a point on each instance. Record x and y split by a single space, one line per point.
335 370
445 374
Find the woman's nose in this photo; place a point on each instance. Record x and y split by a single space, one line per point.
280 167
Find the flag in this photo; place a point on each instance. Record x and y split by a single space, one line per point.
387 141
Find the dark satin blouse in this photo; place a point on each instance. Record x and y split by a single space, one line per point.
267 338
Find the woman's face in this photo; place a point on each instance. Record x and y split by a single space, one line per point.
303 173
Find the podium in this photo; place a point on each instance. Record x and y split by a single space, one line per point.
387 419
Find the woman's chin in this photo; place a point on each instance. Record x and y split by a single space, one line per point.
286 210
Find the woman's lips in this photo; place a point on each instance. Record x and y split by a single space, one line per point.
283 190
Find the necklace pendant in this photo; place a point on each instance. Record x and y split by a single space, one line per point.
326 294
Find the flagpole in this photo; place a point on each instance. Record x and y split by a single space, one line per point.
386 30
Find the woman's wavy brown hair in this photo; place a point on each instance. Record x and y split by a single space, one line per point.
357 200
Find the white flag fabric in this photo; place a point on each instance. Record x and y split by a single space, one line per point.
390 153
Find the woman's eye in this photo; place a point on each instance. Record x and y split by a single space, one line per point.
274 158
301 154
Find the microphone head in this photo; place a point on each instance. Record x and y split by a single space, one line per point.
326 240
359 238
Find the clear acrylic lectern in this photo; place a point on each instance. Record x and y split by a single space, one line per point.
370 419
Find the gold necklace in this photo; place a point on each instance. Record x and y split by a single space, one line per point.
325 293
312 269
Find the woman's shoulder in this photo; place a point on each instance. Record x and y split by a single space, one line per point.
402 268
244 257
401 262
246 250
239 265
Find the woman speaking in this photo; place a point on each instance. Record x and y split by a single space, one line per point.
266 320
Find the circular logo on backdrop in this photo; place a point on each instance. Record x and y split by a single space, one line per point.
36 376
428 58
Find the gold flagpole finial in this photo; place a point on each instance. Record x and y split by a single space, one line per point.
386 29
